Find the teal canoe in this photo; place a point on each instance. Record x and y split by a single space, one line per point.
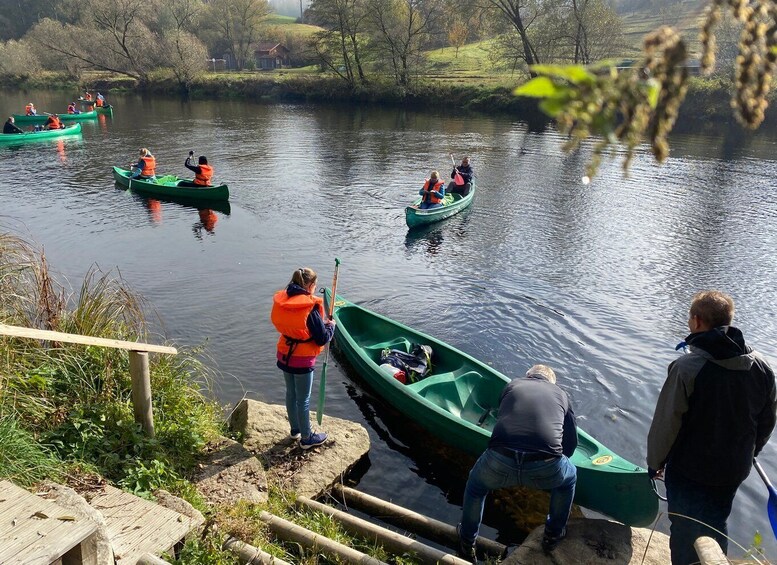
459 401
41 118
43 134
452 204
99 109
168 186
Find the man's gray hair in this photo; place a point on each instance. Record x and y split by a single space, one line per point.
542 371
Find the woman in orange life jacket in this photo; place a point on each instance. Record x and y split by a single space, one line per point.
145 168
53 122
71 108
433 192
203 173
298 314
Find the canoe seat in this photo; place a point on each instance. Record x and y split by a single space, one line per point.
399 343
469 396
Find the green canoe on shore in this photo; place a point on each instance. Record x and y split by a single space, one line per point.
459 401
43 134
169 186
41 118
452 204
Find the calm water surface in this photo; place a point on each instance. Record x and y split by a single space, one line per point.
594 280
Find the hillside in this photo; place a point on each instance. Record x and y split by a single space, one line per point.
640 17
288 24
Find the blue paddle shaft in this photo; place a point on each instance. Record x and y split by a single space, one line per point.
771 506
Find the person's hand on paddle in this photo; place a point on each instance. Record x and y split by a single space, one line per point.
656 474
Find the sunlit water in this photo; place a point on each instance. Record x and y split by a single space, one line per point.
594 280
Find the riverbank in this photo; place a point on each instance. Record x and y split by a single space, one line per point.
707 98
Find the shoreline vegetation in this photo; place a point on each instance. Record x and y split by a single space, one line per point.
66 414
708 98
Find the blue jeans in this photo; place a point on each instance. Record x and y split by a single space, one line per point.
494 470
427 205
708 504
298 389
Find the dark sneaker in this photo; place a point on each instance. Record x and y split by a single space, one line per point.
295 434
313 441
549 543
464 549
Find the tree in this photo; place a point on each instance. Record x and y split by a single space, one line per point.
345 22
457 34
185 55
520 14
239 22
598 31
402 27
17 60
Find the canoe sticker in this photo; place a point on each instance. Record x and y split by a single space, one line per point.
339 303
603 460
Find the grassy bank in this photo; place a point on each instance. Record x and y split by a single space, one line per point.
66 414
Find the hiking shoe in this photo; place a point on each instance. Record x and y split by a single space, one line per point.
295 434
549 543
313 441
464 549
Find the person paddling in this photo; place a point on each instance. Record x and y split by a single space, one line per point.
203 172
11 127
465 172
53 122
29 110
71 108
145 168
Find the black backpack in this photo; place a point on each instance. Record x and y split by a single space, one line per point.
417 364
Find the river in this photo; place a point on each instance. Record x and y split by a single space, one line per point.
594 280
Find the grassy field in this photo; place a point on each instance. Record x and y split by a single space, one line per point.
686 17
289 24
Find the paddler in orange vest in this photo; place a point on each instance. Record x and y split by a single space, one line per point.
88 96
53 122
145 168
71 108
298 314
203 173
433 192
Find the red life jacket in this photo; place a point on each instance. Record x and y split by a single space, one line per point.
71 109
88 96
29 109
203 177
149 166
290 317
428 195
99 103
53 122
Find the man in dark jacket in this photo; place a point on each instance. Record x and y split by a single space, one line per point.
534 436
715 413
465 170
11 127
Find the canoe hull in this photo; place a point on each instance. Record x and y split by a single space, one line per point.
170 188
37 135
415 217
41 119
460 408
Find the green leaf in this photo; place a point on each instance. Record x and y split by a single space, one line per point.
540 87
654 90
553 106
757 539
576 74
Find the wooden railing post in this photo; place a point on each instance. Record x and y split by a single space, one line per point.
141 391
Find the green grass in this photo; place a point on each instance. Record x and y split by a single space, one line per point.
290 25
472 59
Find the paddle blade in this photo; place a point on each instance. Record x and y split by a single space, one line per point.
321 396
458 179
772 510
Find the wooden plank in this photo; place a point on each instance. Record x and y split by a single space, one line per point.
16 331
30 539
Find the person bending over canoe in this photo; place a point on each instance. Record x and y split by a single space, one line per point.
53 122
100 101
433 192
534 436
298 314
202 172
29 110
145 168
71 108
11 127
465 170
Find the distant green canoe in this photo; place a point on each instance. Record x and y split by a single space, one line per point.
41 119
459 402
43 134
168 186
108 110
453 204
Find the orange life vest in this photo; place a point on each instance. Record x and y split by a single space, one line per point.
203 177
149 166
29 109
99 102
428 195
290 317
88 96
71 109
53 122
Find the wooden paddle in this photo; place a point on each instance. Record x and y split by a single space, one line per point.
771 506
457 178
322 388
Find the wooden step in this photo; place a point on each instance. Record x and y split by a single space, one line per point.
137 526
36 531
